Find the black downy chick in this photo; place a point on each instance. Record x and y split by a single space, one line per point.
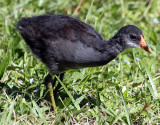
62 42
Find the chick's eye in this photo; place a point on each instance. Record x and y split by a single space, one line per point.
133 37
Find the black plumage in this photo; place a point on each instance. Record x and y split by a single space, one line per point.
62 42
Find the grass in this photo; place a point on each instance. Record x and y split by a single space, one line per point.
125 91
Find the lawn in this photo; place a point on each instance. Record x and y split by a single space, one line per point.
125 91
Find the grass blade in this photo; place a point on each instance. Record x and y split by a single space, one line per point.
98 101
89 11
4 114
85 79
111 111
151 87
39 112
151 80
125 106
4 63
10 112
69 94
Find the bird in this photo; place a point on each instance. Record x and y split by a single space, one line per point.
62 43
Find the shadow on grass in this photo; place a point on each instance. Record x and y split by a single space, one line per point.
35 93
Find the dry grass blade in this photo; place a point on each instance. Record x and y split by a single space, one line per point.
78 8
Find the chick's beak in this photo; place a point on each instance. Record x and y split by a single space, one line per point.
143 45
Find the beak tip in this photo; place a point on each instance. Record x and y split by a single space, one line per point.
149 50
146 48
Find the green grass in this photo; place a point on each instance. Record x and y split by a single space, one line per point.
125 91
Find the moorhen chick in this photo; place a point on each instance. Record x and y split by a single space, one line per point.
62 43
